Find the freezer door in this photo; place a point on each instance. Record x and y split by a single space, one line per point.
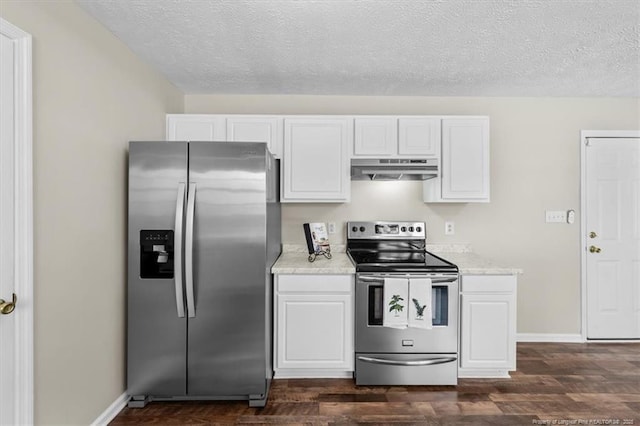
156 333
227 343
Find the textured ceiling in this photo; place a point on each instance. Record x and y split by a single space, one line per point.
385 47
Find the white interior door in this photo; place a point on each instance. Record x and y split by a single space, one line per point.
7 321
16 227
612 220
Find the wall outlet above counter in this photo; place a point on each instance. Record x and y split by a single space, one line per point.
449 228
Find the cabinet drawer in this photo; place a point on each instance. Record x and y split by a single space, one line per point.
488 283
314 283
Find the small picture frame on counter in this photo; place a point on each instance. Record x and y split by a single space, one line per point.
317 240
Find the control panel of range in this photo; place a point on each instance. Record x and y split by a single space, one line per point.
386 230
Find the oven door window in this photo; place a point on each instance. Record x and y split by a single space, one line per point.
439 305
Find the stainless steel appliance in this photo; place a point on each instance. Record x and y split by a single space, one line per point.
410 356
394 169
203 233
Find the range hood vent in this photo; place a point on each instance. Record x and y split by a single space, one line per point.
394 169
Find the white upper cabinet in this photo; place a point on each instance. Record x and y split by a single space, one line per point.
419 136
464 166
234 128
375 136
195 127
316 165
256 129
465 159
316 150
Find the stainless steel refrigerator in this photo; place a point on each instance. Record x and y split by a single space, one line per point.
203 233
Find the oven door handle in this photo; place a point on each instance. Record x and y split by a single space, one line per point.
433 280
418 362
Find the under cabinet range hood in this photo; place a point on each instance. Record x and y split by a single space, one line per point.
394 169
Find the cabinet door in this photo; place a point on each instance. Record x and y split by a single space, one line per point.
195 127
487 337
314 331
257 129
465 159
316 159
419 136
377 136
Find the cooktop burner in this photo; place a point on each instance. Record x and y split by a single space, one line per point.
393 247
397 261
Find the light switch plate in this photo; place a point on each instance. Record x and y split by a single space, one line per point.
556 216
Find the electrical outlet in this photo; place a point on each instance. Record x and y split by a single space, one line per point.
555 216
449 228
332 227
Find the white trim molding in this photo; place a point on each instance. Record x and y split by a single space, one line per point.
585 135
23 143
550 337
112 411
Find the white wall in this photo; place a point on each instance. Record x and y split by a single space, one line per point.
91 96
535 165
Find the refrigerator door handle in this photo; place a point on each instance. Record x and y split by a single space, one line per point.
188 253
178 249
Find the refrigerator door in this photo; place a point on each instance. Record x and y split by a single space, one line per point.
157 326
227 354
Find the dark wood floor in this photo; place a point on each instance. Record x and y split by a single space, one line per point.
591 384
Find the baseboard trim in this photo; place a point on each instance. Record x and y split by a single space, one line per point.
549 337
483 373
303 373
112 411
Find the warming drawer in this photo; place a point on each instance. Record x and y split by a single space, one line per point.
406 369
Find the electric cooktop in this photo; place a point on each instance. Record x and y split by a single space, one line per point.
393 247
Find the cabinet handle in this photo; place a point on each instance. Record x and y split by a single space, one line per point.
418 362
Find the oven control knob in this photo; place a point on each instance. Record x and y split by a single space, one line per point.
411 229
418 229
354 229
362 229
403 229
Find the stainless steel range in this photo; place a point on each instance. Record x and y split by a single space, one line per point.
393 253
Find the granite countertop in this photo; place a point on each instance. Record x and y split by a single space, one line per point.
474 264
293 260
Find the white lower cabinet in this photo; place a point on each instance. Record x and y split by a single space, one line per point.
487 325
313 326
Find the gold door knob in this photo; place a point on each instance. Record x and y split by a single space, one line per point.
594 249
592 234
7 307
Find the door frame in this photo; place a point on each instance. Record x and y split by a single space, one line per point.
23 146
585 135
